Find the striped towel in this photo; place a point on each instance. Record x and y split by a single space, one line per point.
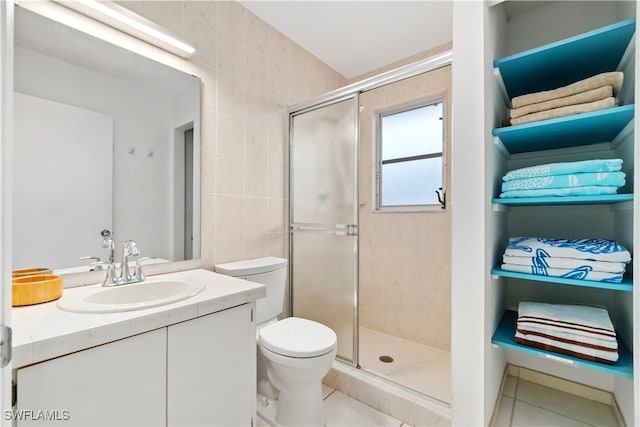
579 331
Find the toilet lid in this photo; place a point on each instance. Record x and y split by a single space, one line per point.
295 337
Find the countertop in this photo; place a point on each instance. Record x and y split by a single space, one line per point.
43 331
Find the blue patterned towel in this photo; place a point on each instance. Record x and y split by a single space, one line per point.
584 272
609 179
586 249
592 190
541 259
565 168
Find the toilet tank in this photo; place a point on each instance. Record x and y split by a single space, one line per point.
269 271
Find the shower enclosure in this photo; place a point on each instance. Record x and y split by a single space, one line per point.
378 278
323 218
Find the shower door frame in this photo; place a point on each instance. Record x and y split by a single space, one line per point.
348 230
431 63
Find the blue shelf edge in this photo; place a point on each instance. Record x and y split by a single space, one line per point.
504 336
625 286
566 61
568 200
570 131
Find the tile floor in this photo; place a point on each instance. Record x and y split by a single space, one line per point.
525 403
417 366
341 410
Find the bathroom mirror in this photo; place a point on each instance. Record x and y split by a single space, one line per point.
103 139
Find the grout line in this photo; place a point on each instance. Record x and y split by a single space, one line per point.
329 395
515 399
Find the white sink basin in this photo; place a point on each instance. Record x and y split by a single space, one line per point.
137 296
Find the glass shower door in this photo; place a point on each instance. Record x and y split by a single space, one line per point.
323 218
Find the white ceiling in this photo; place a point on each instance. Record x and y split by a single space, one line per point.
354 37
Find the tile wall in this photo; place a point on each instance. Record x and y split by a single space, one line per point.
251 72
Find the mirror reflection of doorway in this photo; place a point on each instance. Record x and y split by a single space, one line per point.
188 194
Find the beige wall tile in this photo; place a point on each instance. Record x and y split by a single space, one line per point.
230 137
204 10
230 214
256 142
229 175
257 33
256 178
231 20
231 56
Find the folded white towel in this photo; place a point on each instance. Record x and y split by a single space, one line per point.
587 249
584 272
575 350
542 258
569 315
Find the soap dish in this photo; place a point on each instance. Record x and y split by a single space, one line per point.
28 290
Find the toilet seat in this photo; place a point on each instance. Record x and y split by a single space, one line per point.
299 338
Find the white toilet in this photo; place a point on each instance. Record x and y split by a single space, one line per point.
295 353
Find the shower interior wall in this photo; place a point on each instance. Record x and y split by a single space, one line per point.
404 257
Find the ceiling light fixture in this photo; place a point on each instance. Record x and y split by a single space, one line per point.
123 19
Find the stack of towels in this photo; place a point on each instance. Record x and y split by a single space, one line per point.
583 178
579 331
591 94
599 260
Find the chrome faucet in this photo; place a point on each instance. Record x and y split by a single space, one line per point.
129 249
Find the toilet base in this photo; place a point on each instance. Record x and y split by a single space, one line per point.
266 410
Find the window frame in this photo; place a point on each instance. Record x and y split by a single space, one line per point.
434 207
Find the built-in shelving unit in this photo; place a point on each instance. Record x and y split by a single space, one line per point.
548 67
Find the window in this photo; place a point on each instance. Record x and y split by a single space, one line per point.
410 166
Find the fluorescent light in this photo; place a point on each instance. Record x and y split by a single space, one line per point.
131 23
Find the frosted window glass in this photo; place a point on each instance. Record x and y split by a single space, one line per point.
410 157
411 183
412 133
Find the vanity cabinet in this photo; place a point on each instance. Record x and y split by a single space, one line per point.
120 383
198 372
211 378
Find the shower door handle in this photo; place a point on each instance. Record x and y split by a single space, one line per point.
333 229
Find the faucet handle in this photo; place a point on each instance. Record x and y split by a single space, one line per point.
94 266
138 274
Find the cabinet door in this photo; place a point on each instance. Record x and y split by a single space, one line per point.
120 383
212 370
